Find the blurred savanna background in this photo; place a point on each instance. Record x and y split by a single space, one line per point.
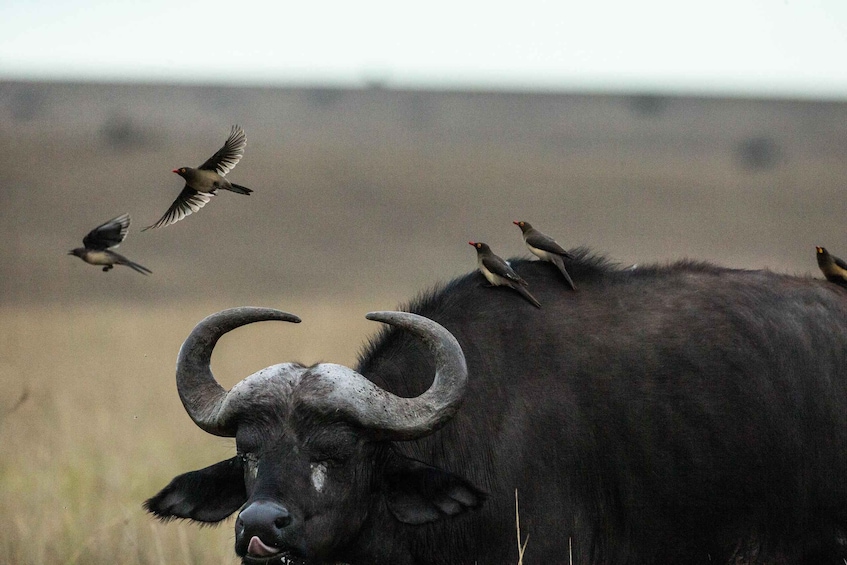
366 193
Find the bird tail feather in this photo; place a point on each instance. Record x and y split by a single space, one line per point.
237 188
134 266
525 293
139 268
559 262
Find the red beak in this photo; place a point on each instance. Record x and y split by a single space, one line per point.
175 171
471 243
516 223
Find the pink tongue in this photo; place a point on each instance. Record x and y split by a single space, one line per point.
257 547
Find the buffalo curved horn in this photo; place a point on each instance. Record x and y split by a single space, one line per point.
394 417
201 395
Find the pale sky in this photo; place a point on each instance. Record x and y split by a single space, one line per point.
746 47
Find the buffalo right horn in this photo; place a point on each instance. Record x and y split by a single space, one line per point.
203 398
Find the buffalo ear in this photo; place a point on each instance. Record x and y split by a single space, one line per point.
417 493
207 495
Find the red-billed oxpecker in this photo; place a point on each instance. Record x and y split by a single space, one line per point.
203 182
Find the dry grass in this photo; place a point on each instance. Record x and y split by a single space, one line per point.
102 428
521 544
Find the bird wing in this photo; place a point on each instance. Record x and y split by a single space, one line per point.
107 235
229 155
499 267
839 262
546 243
188 201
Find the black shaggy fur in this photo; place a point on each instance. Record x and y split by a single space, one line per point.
685 413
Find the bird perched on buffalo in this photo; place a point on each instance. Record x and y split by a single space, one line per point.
833 268
203 182
499 273
545 248
99 244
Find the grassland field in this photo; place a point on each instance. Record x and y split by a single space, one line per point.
362 199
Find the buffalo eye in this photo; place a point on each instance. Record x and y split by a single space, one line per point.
330 460
333 449
248 457
247 445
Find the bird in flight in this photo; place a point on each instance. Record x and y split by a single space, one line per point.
203 182
100 241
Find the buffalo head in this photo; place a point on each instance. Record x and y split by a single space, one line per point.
316 477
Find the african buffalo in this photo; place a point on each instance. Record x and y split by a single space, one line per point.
680 414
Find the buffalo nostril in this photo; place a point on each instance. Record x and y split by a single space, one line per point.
264 519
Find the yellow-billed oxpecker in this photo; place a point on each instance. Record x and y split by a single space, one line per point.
833 268
498 272
545 248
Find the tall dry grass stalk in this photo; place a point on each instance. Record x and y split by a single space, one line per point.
521 545
102 428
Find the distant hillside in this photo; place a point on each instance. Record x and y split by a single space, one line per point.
375 193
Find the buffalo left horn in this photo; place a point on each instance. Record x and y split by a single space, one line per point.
343 390
204 399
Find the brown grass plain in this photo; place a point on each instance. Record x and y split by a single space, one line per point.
363 199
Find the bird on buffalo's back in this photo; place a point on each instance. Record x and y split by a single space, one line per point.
833 268
100 241
498 272
545 248
203 182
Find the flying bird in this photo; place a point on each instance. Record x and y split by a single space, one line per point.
99 244
499 273
203 182
833 268
545 248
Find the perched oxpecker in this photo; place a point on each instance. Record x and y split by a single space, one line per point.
498 272
545 248
833 268
203 182
99 244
